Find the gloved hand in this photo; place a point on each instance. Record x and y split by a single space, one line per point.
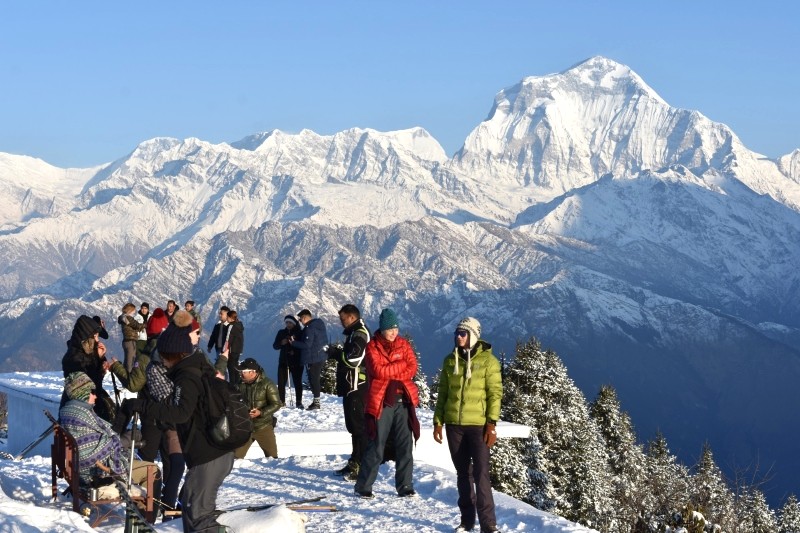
437 433
489 434
370 427
132 405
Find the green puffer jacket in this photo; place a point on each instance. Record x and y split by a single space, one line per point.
474 401
134 380
261 394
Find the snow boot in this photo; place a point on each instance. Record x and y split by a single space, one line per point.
314 405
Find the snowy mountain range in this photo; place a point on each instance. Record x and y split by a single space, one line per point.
644 243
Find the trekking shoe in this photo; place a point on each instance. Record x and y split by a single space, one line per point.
489 529
406 491
314 405
366 494
462 527
353 475
343 471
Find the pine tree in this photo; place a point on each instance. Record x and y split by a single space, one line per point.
420 379
434 389
626 459
710 493
753 513
789 521
328 378
667 486
568 468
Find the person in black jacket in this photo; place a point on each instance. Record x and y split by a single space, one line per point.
208 465
220 332
312 343
234 346
289 361
87 354
351 383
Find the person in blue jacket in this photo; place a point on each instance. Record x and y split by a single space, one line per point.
311 343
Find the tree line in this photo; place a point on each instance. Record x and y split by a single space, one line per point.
582 462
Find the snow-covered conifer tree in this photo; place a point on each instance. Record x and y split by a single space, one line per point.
625 458
710 492
789 521
667 486
754 514
571 454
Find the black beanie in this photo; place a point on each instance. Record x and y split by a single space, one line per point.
85 328
175 339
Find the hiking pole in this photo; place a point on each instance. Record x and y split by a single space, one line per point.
130 516
133 449
116 390
29 447
289 382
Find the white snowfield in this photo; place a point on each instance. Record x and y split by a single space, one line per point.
26 506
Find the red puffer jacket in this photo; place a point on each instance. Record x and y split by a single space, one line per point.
386 362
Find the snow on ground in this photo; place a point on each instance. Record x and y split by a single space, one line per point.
26 506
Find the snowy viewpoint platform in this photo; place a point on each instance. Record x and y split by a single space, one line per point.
298 432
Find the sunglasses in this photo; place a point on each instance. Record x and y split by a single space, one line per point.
461 333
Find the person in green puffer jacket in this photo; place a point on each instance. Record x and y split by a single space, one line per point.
468 405
261 394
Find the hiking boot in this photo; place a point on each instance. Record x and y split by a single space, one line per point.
366 494
406 491
489 529
343 471
462 527
314 405
353 475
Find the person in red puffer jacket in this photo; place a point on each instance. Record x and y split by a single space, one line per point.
157 323
390 407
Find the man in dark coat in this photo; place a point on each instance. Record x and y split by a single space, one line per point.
220 332
289 360
351 383
312 343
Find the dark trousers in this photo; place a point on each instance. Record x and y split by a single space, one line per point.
129 349
233 368
394 421
173 465
471 458
297 381
199 494
314 372
354 421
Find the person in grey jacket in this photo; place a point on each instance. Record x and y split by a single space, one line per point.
312 343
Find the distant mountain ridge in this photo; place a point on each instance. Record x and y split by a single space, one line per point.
643 242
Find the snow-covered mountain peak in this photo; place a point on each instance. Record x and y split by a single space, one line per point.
600 72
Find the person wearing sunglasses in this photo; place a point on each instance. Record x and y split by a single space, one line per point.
468 405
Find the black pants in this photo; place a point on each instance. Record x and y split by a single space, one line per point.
314 372
297 381
471 458
354 421
233 368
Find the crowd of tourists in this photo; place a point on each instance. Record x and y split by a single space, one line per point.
174 420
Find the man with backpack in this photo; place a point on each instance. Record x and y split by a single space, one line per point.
208 464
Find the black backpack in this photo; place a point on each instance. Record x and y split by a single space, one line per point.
228 414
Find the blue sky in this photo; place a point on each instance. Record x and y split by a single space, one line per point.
82 83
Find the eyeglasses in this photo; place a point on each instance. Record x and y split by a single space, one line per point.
461 333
